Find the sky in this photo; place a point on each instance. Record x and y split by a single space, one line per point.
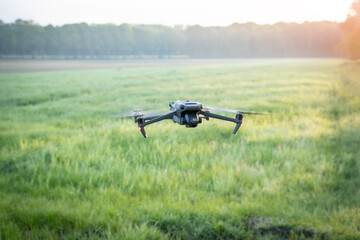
173 12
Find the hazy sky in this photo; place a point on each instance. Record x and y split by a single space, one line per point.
171 12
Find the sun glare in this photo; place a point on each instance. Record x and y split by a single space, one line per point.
185 12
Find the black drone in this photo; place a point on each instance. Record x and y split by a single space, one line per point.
190 114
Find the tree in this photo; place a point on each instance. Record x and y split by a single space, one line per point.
81 40
350 45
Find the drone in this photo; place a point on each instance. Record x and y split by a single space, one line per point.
190 114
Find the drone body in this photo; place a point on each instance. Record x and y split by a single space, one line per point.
190 114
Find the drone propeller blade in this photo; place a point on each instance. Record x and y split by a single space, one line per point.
127 114
119 116
226 110
132 114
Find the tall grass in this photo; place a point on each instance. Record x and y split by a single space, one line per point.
69 171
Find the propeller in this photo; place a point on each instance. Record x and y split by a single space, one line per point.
127 114
226 110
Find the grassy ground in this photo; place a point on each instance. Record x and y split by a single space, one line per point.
70 171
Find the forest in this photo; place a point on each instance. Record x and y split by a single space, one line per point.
247 40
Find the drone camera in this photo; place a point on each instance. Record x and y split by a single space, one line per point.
192 119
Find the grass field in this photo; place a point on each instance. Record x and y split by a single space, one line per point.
68 170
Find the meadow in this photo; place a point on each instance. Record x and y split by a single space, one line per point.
69 170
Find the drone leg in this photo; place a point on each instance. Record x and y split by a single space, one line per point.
142 130
140 122
239 117
238 125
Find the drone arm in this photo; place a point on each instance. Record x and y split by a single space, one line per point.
237 120
141 121
155 119
212 115
152 117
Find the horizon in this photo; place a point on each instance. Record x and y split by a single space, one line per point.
172 26
174 13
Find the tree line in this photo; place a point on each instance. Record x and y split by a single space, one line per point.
248 40
350 44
